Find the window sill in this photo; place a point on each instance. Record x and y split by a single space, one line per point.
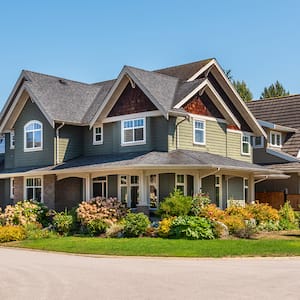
199 144
97 143
246 154
33 150
133 144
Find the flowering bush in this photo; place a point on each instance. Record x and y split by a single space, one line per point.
63 222
164 227
240 211
109 210
262 212
288 218
12 233
212 212
199 202
234 223
25 212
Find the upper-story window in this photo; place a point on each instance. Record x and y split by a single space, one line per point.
258 142
98 135
245 144
12 140
275 139
133 131
199 132
33 136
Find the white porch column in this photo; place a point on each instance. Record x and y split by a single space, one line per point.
87 187
251 189
143 190
197 183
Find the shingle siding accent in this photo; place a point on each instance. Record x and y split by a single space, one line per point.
49 191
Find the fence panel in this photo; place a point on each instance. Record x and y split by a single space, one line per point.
275 199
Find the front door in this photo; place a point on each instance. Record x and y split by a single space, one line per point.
100 187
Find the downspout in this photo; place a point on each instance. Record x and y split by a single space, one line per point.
57 141
176 129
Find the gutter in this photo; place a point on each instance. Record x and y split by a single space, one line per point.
57 141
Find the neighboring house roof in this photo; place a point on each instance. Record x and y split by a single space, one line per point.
136 160
282 111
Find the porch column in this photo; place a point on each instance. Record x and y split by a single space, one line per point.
251 189
49 190
87 187
197 183
143 203
19 189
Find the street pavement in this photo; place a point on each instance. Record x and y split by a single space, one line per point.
26 274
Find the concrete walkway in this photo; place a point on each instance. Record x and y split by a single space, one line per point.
40 275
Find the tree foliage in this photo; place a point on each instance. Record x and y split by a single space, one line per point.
274 90
243 90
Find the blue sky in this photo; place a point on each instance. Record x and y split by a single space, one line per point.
90 41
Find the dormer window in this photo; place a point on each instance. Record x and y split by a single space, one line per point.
33 136
258 142
133 131
12 140
245 145
275 139
98 135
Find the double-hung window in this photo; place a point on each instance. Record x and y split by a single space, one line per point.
275 139
33 188
245 144
129 190
133 131
12 140
98 135
199 132
258 142
33 136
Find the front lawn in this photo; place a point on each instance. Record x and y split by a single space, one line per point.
165 247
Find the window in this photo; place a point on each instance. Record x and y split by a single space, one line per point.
153 191
246 185
33 189
12 188
97 135
258 142
180 183
12 140
100 187
275 139
218 189
246 144
33 136
129 190
199 132
133 131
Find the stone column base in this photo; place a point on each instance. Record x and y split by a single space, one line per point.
143 209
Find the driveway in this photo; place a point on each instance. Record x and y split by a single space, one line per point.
39 275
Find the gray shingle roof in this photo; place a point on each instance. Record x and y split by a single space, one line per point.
282 111
66 100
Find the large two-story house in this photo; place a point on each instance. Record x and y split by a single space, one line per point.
137 138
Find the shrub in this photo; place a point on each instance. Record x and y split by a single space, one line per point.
287 219
248 230
115 230
234 223
164 227
25 212
63 222
135 224
175 205
199 202
212 212
96 227
191 227
35 231
262 212
12 233
240 211
110 210
268 226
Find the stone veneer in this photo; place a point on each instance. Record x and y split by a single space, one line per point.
19 189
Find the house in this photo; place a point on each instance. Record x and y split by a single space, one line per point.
136 137
280 148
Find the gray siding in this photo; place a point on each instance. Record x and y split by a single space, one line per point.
208 187
34 158
5 193
166 185
236 188
9 158
70 142
260 156
113 186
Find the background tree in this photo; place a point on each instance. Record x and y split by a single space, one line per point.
274 90
243 90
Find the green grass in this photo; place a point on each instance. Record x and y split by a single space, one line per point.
165 247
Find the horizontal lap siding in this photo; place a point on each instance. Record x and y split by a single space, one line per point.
236 188
234 147
9 158
261 156
34 158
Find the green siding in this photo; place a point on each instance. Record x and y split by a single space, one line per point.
35 158
236 188
5 193
166 185
70 142
208 187
159 133
9 158
234 147
112 186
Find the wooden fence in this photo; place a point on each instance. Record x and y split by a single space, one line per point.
277 199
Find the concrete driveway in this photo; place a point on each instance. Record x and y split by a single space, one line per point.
40 275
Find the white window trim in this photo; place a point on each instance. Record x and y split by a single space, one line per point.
245 186
105 181
11 188
260 145
128 185
184 184
219 185
95 142
204 132
249 144
42 187
133 143
276 133
11 139
42 133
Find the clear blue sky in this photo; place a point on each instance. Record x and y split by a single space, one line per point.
90 41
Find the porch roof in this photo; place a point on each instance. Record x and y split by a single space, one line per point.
177 159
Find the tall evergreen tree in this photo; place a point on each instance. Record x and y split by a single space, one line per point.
243 90
274 90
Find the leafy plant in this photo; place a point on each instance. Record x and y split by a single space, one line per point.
115 230
287 219
191 227
96 227
135 224
212 212
63 222
175 205
234 223
199 202
35 231
262 212
240 211
12 233
165 226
